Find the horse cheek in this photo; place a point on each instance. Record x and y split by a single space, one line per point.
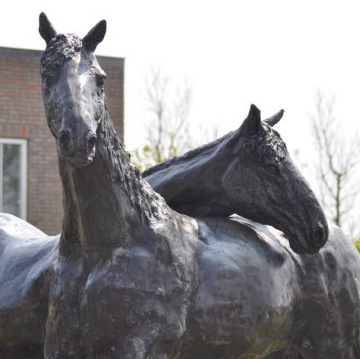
242 186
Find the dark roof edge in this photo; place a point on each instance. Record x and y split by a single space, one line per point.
20 53
110 61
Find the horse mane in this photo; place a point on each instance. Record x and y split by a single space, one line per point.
267 144
149 204
187 156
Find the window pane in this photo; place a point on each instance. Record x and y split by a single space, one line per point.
11 178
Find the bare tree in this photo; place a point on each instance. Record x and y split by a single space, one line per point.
338 157
168 133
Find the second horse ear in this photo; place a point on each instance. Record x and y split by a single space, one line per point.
273 120
95 36
46 29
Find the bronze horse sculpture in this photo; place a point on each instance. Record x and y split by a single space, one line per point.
134 279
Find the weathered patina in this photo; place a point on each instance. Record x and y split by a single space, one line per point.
131 278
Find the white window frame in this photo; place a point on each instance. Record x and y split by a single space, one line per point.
23 173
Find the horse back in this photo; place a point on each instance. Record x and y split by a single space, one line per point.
247 287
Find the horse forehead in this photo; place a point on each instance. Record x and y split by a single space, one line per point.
75 77
65 60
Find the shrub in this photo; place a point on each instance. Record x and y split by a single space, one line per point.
357 244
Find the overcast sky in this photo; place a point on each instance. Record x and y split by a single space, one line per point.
275 54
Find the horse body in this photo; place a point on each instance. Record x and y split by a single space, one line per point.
26 260
167 294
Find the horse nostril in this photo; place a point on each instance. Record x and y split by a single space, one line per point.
91 143
65 142
319 236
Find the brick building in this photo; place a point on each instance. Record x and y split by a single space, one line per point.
30 185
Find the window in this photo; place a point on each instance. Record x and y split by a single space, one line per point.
13 170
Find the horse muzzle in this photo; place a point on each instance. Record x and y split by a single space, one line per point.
79 152
308 242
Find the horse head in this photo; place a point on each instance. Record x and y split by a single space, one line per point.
73 93
263 184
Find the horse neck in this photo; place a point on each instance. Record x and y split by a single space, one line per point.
189 183
107 200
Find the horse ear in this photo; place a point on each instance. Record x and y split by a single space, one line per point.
273 120
95 36
250 127
46 29
252 124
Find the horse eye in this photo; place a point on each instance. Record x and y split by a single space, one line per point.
100 80
274 170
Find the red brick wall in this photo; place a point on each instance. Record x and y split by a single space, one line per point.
22 116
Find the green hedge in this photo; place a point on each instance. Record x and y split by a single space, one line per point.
357 244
